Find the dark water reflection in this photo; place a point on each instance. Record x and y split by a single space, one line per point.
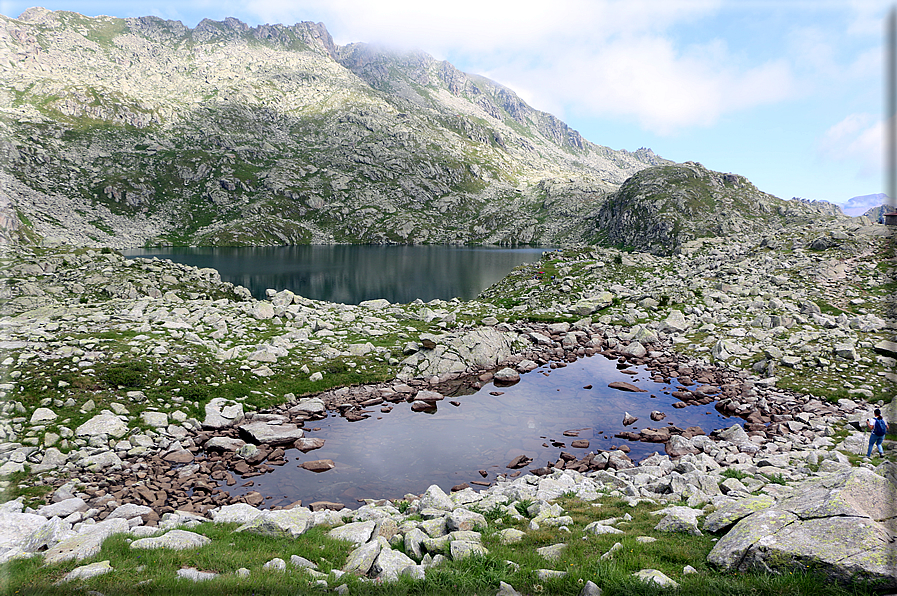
405 452
350 274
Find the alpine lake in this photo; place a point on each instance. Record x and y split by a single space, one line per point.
466 438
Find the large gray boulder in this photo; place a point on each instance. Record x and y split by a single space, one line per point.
678 519
390 563
43 416
222 413
435 498
282 522
16 527
63 508
271 434
85 544
362 558
357 532
675 322
728 515
48 535
238 512
106 423
129 510
174 540
464 519
840 525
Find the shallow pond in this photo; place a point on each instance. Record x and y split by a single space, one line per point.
391 454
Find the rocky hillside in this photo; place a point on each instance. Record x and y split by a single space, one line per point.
661 208
125 132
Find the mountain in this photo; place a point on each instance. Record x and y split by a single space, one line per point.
863 204
660 208
141 131
883 204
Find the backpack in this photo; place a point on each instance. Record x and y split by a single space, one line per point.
880 427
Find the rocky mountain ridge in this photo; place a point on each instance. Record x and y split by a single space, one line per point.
230 134
141 131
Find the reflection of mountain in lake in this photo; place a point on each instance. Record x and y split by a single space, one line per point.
350 274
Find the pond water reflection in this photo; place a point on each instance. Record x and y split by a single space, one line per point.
391 454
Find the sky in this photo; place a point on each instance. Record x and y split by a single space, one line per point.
788 93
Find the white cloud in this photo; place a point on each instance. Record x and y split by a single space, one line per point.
610 58
868 17
857 138
649 80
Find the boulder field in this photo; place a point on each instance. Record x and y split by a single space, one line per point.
839 522
773 342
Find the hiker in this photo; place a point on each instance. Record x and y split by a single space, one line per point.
879 427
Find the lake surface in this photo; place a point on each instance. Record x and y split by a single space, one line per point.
391 454
350 273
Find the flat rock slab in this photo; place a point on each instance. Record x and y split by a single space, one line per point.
179 456
305 444
312 405
429 396
103 424
87 571
520 461
318 465
129 510
291 523
63 508
174 540
223 444
154 419
326 505
196 575
624 386
238 512
86 544
271 434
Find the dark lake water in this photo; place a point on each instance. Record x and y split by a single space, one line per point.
391 454
350 273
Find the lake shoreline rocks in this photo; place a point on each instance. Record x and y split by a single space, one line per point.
224 451
782 435
390 542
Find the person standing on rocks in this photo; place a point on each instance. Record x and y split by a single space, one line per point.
879 427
